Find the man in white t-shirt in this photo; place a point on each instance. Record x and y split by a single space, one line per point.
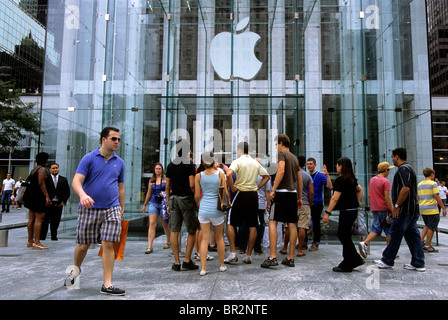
442 192
7 191
17 187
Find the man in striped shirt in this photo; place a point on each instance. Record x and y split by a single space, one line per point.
405 214
428 196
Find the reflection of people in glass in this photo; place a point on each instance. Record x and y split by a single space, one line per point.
155 198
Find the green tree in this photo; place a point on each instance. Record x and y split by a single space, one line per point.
18 120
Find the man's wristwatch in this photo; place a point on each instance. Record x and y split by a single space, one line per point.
328 212
396 206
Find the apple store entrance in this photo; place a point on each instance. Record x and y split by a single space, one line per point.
219 123
340 78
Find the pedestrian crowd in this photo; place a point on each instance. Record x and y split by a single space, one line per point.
194 198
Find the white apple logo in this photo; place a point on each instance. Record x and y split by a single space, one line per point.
245 63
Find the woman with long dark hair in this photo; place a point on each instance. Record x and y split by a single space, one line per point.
346 196
155 196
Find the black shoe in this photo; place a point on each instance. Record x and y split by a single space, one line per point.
175 267
190 265
339 269
288 262
212 248
270 262
112 290
359 264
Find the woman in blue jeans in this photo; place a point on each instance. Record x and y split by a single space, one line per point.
346 196
155 197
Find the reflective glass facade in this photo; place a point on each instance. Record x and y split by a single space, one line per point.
341 78
22 55
22 47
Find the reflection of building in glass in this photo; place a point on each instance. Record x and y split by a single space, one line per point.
339 79
22 55
22 47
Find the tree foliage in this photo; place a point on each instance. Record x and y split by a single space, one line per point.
18 120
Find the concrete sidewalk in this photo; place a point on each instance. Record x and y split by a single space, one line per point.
27 274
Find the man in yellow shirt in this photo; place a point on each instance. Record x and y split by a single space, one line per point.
428 196
245 203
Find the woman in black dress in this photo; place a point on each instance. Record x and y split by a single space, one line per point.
346 196
36 199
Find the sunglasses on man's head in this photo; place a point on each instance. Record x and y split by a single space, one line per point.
115 139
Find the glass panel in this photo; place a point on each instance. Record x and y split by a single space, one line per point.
336 82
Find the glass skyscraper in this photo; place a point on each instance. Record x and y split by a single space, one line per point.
339 77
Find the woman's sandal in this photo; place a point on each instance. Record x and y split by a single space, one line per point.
39 247
149 250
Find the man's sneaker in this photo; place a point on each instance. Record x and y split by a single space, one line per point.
176 266
70 280
314 247
112 290
409 266
363 249
190 265
247 260
270 262
288 262
231 258
380 264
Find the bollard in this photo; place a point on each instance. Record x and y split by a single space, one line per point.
3 238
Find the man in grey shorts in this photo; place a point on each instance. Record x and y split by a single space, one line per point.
99 183
181 205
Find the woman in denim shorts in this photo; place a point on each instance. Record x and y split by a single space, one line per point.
155 198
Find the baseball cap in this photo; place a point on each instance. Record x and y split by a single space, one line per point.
383 166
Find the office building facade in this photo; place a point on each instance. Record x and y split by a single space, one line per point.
438 73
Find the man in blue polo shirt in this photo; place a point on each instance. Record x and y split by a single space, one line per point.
99 183
320 180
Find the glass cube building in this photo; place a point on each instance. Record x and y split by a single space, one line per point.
340 77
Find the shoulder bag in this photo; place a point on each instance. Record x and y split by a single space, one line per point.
21 192
223 199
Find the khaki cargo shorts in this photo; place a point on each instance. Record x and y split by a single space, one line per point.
183 210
